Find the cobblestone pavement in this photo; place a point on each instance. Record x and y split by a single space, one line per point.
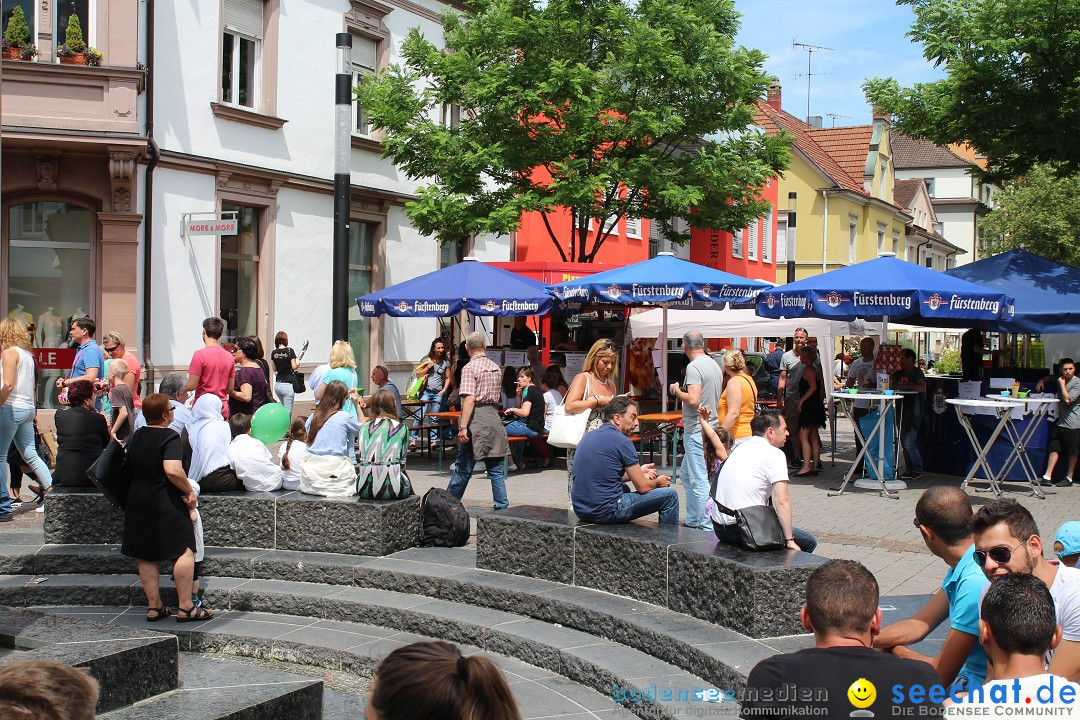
859 525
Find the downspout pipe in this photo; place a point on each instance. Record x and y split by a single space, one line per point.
920 246
148 211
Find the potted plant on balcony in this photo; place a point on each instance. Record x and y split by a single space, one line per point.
73 50
16 37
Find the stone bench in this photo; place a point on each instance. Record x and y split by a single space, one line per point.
284 520
758 594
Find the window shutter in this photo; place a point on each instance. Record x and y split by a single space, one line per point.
364 53
633 226
245 17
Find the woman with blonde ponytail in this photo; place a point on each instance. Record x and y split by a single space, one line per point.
428 680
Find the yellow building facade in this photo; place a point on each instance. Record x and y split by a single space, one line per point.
842 180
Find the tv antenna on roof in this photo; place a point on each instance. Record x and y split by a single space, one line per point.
809 50
834 116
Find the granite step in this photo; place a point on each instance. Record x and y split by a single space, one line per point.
340 652
722 657
212 689
647 686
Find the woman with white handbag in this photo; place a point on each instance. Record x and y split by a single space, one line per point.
590 391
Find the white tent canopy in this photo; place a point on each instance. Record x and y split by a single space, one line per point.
741 323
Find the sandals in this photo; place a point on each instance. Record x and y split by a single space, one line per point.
195 614
160 612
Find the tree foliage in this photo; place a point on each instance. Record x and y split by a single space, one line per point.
1039 212
604 107
1013 81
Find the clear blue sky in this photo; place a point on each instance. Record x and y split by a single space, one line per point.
869 40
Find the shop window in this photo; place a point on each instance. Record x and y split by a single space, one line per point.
49 275
240 52
361 245
239 282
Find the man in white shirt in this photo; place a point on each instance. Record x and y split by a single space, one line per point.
1007 543
755 471
251 459
1018 629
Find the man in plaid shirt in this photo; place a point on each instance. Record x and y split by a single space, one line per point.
481 435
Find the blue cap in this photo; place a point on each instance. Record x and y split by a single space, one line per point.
1069 537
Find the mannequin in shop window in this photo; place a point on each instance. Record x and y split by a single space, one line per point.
50 328
20 314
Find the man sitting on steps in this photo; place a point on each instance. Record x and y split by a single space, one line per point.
605 458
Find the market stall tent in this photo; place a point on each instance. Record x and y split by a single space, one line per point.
1047 292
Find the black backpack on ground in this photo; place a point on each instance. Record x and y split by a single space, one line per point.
444 521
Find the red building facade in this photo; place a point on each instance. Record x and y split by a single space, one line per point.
750 253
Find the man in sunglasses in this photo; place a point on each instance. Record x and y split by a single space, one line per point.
943 516
1007 542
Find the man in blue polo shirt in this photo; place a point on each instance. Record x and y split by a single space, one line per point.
605 459
89 360
944 518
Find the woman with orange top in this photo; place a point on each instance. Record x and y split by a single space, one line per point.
737 403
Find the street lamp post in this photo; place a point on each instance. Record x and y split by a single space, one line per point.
342 147
791 196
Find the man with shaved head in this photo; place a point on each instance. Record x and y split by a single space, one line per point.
944 518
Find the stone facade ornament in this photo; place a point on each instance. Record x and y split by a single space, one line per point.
121 172
48 172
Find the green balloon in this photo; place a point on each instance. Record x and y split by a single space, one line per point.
270 423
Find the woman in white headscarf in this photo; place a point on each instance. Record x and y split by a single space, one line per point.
209 437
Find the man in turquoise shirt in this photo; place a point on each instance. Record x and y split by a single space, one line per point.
943 516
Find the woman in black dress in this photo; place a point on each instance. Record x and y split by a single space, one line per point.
81 434
811 412
159 513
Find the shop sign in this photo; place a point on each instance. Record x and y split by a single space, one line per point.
226 226
53 358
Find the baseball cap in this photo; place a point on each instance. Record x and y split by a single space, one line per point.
1067 540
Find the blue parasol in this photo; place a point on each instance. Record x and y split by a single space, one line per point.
472 286
887 288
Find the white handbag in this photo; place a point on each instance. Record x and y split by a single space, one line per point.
567 429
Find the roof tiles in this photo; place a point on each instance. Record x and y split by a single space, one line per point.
910 153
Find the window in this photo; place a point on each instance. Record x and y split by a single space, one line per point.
450 253
737 243
64 11
633 227
752 240
781 238
880 238
364 62
654 238
361 245
238 295
767 238
49 275
28 7
883 185
241 48
929 186
896 242
853 239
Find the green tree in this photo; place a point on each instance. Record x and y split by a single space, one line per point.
17 32
1039 212
1012 88
607 108
73 37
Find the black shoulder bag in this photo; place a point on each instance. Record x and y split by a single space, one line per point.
758 526
297 376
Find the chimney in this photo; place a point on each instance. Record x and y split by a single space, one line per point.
814 121
773 96
879 114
